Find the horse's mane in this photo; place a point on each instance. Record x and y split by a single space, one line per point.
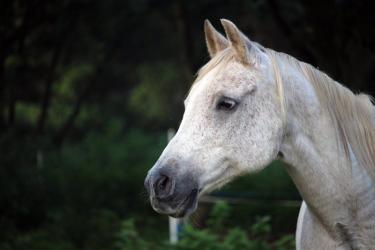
219 60
351 114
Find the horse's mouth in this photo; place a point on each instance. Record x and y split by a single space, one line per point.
187 206
183 208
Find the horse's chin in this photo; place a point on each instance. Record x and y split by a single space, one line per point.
184 208
187 207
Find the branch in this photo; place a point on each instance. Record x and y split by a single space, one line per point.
47 95
91 81
67 126
2 89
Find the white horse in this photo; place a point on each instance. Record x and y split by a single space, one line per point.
250 105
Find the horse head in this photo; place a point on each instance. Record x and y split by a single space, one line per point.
232 125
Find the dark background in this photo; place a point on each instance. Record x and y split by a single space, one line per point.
89 88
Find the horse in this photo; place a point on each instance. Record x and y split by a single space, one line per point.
250 105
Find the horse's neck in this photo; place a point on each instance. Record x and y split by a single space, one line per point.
335 191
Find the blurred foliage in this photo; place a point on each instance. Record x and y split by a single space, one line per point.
77 194
212 238
88 89
162 102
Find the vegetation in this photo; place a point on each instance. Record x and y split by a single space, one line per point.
80 196
89 88
217 236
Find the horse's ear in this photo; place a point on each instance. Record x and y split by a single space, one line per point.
246 52
214 40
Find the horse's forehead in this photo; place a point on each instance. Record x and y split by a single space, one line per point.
235 75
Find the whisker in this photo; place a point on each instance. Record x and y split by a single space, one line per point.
143 195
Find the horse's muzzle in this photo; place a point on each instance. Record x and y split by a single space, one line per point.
171 193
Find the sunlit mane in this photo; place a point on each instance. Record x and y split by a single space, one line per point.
351 114
220 60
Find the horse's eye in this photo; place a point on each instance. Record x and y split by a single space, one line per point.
226 104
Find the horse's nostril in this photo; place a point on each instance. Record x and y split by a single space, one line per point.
163 183
164 187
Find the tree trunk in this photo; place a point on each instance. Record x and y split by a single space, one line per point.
66 127
47 95
2 91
